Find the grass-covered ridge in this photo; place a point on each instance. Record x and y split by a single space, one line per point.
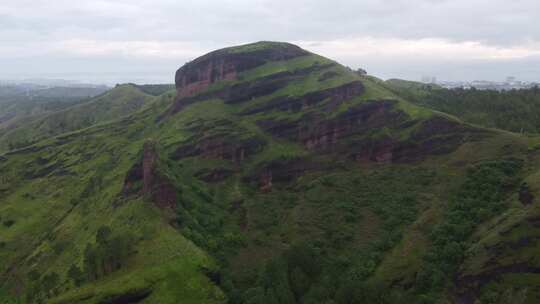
111 105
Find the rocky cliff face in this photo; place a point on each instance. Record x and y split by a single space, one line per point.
195 76
145 178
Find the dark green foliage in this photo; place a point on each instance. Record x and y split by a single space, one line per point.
287 278
107 255
298 276
8 223
375 292
42 288
513 110
103 234
480 197
49 283
154 89
332 262
6 298
201 219
76 275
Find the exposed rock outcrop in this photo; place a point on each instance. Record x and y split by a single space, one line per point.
225 64
249 89
282 171
332 96
267 85
146 178
221 147
469 286
214 175
350 133
317 134
525 195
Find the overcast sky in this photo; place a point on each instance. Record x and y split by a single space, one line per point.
147 40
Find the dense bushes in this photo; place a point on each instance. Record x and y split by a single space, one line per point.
108 254
514 110
288 278
481 196
329 266
301 275
317 273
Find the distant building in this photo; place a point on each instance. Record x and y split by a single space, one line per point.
510 84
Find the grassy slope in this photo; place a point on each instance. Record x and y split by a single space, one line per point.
67 205
16 103
118 102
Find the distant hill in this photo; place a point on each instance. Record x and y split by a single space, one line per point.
18 101
113 104
271 175
35 90
155 89
512 110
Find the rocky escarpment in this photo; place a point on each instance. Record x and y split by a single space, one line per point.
332 97
249 90
353 133
147 178
221 147
283 171
320 134
435 136
196 76
219 139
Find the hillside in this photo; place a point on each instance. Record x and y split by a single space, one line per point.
513 110
274 175
23 101
111 105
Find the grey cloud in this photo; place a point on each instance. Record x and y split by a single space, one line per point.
210 24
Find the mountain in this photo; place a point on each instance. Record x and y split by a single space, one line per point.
272 175
111 105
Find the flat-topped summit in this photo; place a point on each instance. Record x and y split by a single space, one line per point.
225 64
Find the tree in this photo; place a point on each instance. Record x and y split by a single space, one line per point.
103 234
75 273
300 283
49 283
108 254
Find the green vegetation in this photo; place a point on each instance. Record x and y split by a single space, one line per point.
116 103
480 197
257 46
155 89
513 110
304 193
